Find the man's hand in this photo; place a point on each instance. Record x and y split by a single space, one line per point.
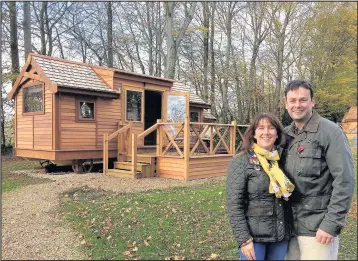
323 237
248 251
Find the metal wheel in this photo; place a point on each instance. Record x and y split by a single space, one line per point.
44 163
87 165
82 166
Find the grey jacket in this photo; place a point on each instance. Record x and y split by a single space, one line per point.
318 160
252 210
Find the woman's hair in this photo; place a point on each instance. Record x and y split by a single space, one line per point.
249 140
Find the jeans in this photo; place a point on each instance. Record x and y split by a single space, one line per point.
269 251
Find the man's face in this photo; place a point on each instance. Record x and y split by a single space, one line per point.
299 105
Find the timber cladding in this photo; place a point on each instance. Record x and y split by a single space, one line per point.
207 167
170 167
34 130
75 134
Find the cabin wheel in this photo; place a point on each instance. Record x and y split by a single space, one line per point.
82 166
44 163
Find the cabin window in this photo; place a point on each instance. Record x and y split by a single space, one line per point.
86 110
33 99
194 116
133 106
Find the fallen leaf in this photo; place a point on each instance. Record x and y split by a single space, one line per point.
135 249
126 253
83 242
213 256
146 243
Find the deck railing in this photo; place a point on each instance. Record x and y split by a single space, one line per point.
213 138
180 140
124 134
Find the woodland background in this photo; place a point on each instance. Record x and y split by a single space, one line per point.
236 55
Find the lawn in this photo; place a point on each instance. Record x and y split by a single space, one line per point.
12 180
173 224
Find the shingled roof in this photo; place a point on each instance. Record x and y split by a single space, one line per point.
193 98
72 75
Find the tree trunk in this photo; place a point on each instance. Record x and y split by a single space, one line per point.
173 44
27 29
206 25
110 34
14 46
150 23
42 28
212 61
171 52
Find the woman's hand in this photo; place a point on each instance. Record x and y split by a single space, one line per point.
249 251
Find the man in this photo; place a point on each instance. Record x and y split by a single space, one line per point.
319 161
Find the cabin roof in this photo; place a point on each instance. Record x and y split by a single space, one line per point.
77 75
193 98
351 115
72 75
207 114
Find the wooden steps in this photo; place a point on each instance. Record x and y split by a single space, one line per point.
146 167
122 173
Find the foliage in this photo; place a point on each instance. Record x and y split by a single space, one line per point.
332 57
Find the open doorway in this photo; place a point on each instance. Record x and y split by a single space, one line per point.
152 112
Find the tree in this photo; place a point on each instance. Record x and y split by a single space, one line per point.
174 38
14 46
110 34
27 28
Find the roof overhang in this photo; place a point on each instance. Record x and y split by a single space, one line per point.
35 73
200 105
73 90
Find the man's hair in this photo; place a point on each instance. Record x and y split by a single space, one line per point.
295 84
248 138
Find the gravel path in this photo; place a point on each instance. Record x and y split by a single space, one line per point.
31 228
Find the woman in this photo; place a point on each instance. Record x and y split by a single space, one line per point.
257 191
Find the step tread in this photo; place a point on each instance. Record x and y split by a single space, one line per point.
130 163
125 171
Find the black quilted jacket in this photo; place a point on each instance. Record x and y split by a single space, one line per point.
252 210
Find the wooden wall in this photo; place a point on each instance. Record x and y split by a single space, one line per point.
34 131
87 135
208 167
172 168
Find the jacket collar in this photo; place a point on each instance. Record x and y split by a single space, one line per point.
310 126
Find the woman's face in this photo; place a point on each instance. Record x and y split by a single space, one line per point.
265 134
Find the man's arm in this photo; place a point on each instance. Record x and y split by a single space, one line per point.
340 163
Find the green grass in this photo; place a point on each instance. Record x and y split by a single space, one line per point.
163 224
179 222
12 180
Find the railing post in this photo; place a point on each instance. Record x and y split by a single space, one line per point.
211 139
159 138
105 153
186 148
233 137
134 155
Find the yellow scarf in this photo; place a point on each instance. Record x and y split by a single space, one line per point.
279 183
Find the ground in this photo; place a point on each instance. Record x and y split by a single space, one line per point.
31 226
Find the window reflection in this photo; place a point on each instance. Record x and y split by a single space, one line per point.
134 106
33 99
87 110
176 108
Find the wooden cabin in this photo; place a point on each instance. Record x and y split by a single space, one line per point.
349 122
77 113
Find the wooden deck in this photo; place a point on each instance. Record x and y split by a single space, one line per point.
185 151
